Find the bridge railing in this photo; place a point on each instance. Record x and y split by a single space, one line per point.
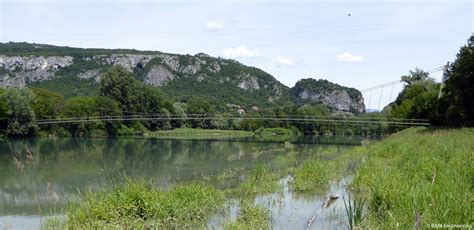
306 119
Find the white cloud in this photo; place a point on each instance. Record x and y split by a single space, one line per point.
214 25
282 61
348 57
241 51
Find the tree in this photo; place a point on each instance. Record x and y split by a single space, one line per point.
136 98
418 100
108 107
457 104
92 106
21 117
196 106
415 76
47 105
119 84
3 113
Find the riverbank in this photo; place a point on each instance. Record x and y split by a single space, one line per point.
416 177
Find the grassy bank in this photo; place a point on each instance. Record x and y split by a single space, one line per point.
418 177
190 133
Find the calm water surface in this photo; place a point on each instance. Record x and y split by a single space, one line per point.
62 169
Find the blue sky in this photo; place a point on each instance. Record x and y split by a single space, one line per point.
377 43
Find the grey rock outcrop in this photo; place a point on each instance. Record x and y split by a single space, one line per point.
25 69
158 76
90 74
129 61
334 96
248 82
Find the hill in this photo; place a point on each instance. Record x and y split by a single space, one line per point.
76 71
223 82
333 95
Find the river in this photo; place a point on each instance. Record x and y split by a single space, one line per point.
33 187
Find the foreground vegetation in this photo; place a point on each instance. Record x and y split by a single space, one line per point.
418 177
139 205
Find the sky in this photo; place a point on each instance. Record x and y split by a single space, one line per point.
357 44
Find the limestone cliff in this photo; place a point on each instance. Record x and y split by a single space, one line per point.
76 71
333 95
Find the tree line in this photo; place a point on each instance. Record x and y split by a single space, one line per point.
451 104
120 94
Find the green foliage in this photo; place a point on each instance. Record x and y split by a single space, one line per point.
260 180
198 107
250 217
220 88
47 105
276 134
354 210
312 175
120 85
190 133
89 107
418 172
418 100
21 117
68 86
457 104
415 76
3 113
140 205
27 49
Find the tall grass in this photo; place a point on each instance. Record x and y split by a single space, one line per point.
260 180
354 210
418 177
138 205
315 173
250 217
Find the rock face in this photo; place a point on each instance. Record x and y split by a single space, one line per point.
248 82
129 61
220 81
158 76
335 96
19 70
214 79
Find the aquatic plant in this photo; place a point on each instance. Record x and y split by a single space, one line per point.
139 205
250 217
259 181
354 210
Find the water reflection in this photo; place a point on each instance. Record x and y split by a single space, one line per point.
62 169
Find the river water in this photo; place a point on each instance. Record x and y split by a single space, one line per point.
58 171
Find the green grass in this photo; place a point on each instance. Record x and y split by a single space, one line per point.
260 180
250 217
275 134
354 210
312 175
419 172
138 205
190 133
315 174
